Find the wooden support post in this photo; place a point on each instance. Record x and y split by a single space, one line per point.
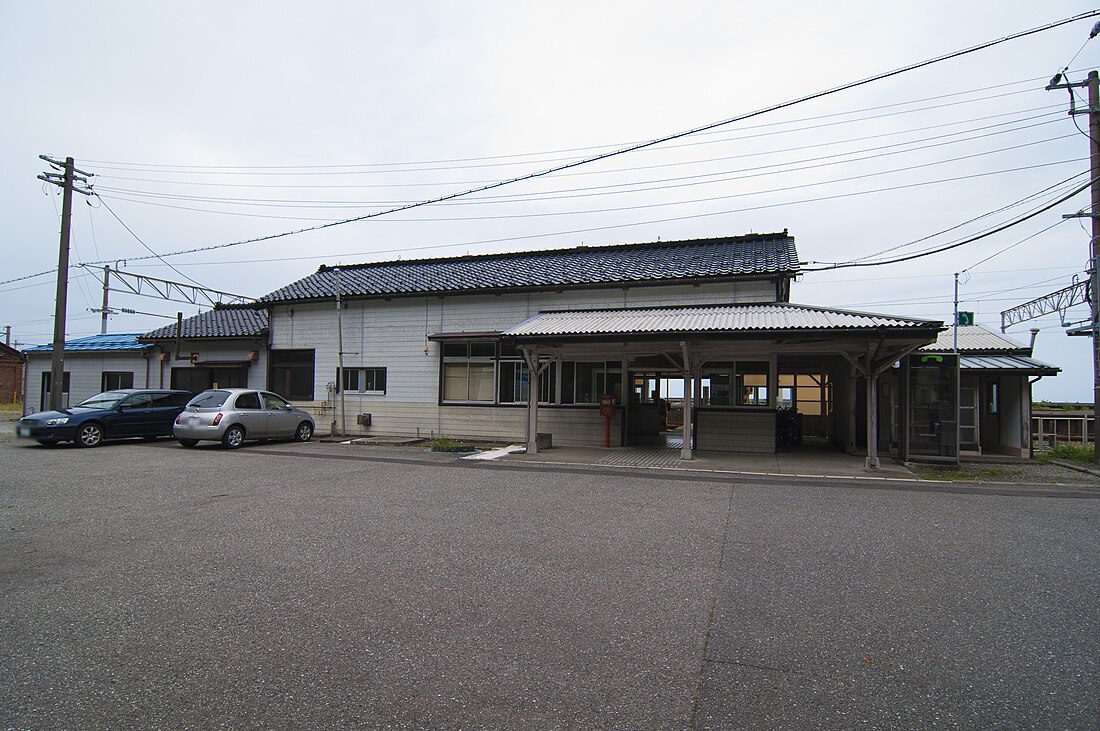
872 462
689 412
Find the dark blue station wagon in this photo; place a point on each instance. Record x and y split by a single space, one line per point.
127 412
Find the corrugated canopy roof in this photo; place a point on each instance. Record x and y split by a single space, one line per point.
976 338
227 321
774 317
1007 363
699 259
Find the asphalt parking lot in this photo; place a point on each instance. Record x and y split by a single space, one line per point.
331 586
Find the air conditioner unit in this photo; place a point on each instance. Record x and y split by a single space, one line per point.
362 419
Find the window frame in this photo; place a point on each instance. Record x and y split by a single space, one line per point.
362 376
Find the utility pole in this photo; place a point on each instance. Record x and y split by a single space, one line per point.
66 179
1093 291
1094 274
106 283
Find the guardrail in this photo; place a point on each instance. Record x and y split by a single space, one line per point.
1071 427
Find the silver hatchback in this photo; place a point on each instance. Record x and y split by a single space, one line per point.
232 415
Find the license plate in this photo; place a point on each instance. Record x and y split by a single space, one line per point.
23 431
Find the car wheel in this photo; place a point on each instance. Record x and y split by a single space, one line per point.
90 435
233 437
304 432
188 442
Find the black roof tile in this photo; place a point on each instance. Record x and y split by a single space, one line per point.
752 254
224 321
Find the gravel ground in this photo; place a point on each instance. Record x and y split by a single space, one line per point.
1016 473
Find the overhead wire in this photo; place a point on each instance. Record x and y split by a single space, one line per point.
213 169
622 188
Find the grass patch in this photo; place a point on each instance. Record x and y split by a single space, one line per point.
446 444
1069 452
960 474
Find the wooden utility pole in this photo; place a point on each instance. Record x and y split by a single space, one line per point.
67 179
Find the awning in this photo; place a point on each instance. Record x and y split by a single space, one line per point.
1010 364
773 319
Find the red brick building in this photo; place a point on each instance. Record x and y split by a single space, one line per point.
11 374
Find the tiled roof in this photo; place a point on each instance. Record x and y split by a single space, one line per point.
973 338
230 321
753 254
110 342
709 318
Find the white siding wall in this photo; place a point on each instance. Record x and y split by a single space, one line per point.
210 350
85 374
394 335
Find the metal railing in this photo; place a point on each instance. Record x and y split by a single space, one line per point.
1070 427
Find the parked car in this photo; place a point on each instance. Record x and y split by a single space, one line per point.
127 412
232 415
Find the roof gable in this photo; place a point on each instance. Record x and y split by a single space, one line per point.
657 262
224 321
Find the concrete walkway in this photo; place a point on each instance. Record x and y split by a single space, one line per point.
806 462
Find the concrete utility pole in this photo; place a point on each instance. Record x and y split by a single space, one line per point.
106 289
1070 295
65 180
1094 275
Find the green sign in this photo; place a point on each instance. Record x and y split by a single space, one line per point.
966 318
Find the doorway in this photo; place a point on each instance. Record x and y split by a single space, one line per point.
655 410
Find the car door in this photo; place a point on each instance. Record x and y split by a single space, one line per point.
251 414
281 422
164 409
132 417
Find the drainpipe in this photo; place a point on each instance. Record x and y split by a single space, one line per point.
1031 346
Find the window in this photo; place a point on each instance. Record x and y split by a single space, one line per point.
515 383
292 374
114 380
743 383
363 380
807 393
210 399
469 372
138 401
994 401
46 377
248 401
275 403
583 382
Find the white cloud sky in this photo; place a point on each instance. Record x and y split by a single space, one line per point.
245 86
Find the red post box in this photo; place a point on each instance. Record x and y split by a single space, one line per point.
607 410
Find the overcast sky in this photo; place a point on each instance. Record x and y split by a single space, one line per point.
208 123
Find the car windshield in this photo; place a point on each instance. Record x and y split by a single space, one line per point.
209 399
105 400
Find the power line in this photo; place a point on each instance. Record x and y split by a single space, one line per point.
970 240
877 152
215 169
678 135
610 227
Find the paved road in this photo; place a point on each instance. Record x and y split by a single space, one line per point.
318 586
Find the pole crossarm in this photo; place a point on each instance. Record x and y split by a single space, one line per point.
140 284
1060 301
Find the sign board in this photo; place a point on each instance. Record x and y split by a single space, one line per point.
966 318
